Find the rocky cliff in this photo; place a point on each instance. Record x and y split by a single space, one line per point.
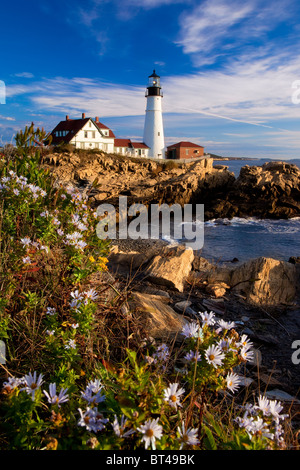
269 191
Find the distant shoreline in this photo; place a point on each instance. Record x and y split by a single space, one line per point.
217 158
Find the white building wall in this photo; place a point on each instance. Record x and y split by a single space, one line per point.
153 129
89 137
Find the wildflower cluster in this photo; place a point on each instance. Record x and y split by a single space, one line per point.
19 186
213 350
263 421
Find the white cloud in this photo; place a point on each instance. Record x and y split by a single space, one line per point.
6 118
24 75
216 28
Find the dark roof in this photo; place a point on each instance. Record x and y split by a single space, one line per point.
185 144
154 74
72 126
122 142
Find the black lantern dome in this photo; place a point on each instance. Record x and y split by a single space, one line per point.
154 88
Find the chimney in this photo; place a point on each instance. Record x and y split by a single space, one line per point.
97 119
83 115
67 117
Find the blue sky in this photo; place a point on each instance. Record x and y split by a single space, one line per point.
227 69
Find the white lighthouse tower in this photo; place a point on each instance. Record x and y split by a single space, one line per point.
153 129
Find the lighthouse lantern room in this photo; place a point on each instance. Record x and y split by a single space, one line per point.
153 129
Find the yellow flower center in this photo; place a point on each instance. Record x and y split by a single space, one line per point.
211 357
149 433
173 398
33 386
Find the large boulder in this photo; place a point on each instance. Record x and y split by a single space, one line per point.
156 317
171 267
266 281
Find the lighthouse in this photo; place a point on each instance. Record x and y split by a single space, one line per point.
153 128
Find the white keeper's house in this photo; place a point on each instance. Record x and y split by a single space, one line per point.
88 133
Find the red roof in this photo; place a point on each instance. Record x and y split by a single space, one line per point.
103 126
122 142
139 145
185 144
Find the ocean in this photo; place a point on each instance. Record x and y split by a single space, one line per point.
248 238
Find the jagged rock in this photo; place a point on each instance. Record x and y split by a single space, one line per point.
268 191
171 267
157 318
217 289
265 281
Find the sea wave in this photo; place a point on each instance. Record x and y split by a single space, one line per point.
263 225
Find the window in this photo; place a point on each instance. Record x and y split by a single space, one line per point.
187 152
90 124
93 134
158 133
96 145
85 134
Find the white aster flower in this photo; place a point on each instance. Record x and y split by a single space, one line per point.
214 356
225 344
50 332
275 408
188 436
233 381
245 342
32 383
162 352
25 241
151 431
16 191
51 311
45 213
91 294
119 428
12 383
93 393
71 344
55 399
224 325
92 419
263 405
172 395
26 260
208 318
193 356
246 354
80 245
191 329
